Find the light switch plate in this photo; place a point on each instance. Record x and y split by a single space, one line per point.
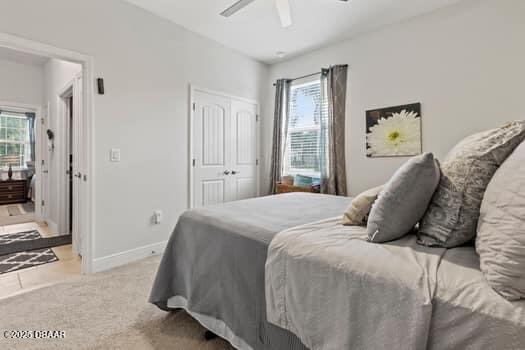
114 155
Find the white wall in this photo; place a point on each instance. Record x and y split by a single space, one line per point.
57 75
147 64
21 83
465 64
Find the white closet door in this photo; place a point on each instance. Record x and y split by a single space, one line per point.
244 149
211 149
224 149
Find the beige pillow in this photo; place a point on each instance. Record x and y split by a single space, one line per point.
500 241
357 212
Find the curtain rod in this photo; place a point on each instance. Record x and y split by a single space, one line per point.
306 76
323 71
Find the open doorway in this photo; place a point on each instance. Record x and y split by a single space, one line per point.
43 167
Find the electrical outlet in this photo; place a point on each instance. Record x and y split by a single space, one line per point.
157 216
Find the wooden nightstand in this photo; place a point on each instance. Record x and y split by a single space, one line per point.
13 191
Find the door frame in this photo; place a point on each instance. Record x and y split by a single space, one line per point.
193 89
37 48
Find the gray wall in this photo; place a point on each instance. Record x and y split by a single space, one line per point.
21 83
148 64
465 64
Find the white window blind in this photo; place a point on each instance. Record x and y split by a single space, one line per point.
302 152
14 140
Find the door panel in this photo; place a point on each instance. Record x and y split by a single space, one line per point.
244 146
211 129
213 120
246 138
245 188
213 192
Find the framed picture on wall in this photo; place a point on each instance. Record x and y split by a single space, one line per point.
394 131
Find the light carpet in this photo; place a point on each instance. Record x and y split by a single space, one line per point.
107 310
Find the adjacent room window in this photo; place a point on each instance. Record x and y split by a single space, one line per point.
302 151
14 140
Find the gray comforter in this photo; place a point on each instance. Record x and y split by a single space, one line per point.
335 290
213 265
468 314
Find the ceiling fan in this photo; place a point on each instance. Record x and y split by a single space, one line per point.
283 8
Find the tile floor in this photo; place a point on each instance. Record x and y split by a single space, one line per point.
67 266
44 230
6 219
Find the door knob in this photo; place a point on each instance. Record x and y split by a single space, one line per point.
226 172
79 175
234 172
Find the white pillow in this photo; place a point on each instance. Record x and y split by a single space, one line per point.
500 241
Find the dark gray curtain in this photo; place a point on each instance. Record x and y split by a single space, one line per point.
280 126
31 124
333 163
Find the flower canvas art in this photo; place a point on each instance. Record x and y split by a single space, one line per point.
394 131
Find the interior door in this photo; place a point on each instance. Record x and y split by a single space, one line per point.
45 147
77 166
244 150
211 149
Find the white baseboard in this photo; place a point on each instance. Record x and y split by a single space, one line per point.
52 225
118 259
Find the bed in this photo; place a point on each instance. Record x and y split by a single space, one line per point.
213 265
214 268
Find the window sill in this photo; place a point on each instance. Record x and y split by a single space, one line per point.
2 171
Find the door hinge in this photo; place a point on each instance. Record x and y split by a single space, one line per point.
194 106
256 117
43 162
193 162
257 162
43 203
42 121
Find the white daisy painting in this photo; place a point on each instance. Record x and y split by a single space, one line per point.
394 131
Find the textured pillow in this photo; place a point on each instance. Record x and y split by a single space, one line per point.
357 212
452 216
404 199
500 241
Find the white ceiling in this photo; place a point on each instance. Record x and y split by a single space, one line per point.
7 54
256 30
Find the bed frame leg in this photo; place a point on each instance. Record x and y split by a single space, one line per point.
209 335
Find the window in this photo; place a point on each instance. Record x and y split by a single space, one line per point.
303 139
14 140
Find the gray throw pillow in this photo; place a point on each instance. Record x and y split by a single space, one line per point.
452 216
404 199
500 241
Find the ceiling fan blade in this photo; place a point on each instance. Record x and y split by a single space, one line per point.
239 5
283 7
